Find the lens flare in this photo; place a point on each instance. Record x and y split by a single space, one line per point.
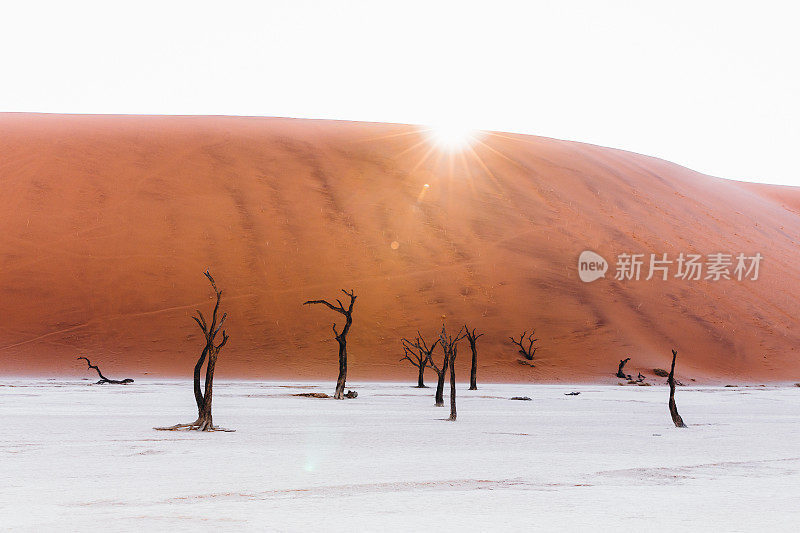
452 136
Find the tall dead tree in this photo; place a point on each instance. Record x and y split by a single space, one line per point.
473 373
450 347
526 351
210 352
103 379
418 353
341 337
620 373
673 409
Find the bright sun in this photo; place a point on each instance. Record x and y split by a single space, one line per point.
451 136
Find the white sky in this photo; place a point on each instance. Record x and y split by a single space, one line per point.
710 85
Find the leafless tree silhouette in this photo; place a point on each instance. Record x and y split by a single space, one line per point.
103 379
450 346
473 374
211 351
673 409
418 353
341 337
620 373
526 351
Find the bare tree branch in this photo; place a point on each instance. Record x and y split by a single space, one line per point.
673 409
529 351
620 373
103 379
325 302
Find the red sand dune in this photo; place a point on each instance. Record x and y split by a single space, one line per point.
110 221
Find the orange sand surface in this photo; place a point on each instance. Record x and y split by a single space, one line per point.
110 221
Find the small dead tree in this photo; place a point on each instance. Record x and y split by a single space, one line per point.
673 409
473 374
211 351
450 347
418 353
416 360
341 337
103 379
620 373
526 351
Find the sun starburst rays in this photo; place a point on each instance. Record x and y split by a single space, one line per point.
447 156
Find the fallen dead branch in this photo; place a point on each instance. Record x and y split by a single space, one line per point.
103 379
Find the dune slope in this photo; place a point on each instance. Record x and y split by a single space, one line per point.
111 220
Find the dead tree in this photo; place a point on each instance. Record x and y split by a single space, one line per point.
441 372
450 347
211 351
418 353
620 373
103 379
529 351
416 360
673 409
341 338
473 374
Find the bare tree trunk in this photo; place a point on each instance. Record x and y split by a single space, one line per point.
440 386
473 375
198 392
453 383
441 372
421 378
340 381
473 340
673 409
206 420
